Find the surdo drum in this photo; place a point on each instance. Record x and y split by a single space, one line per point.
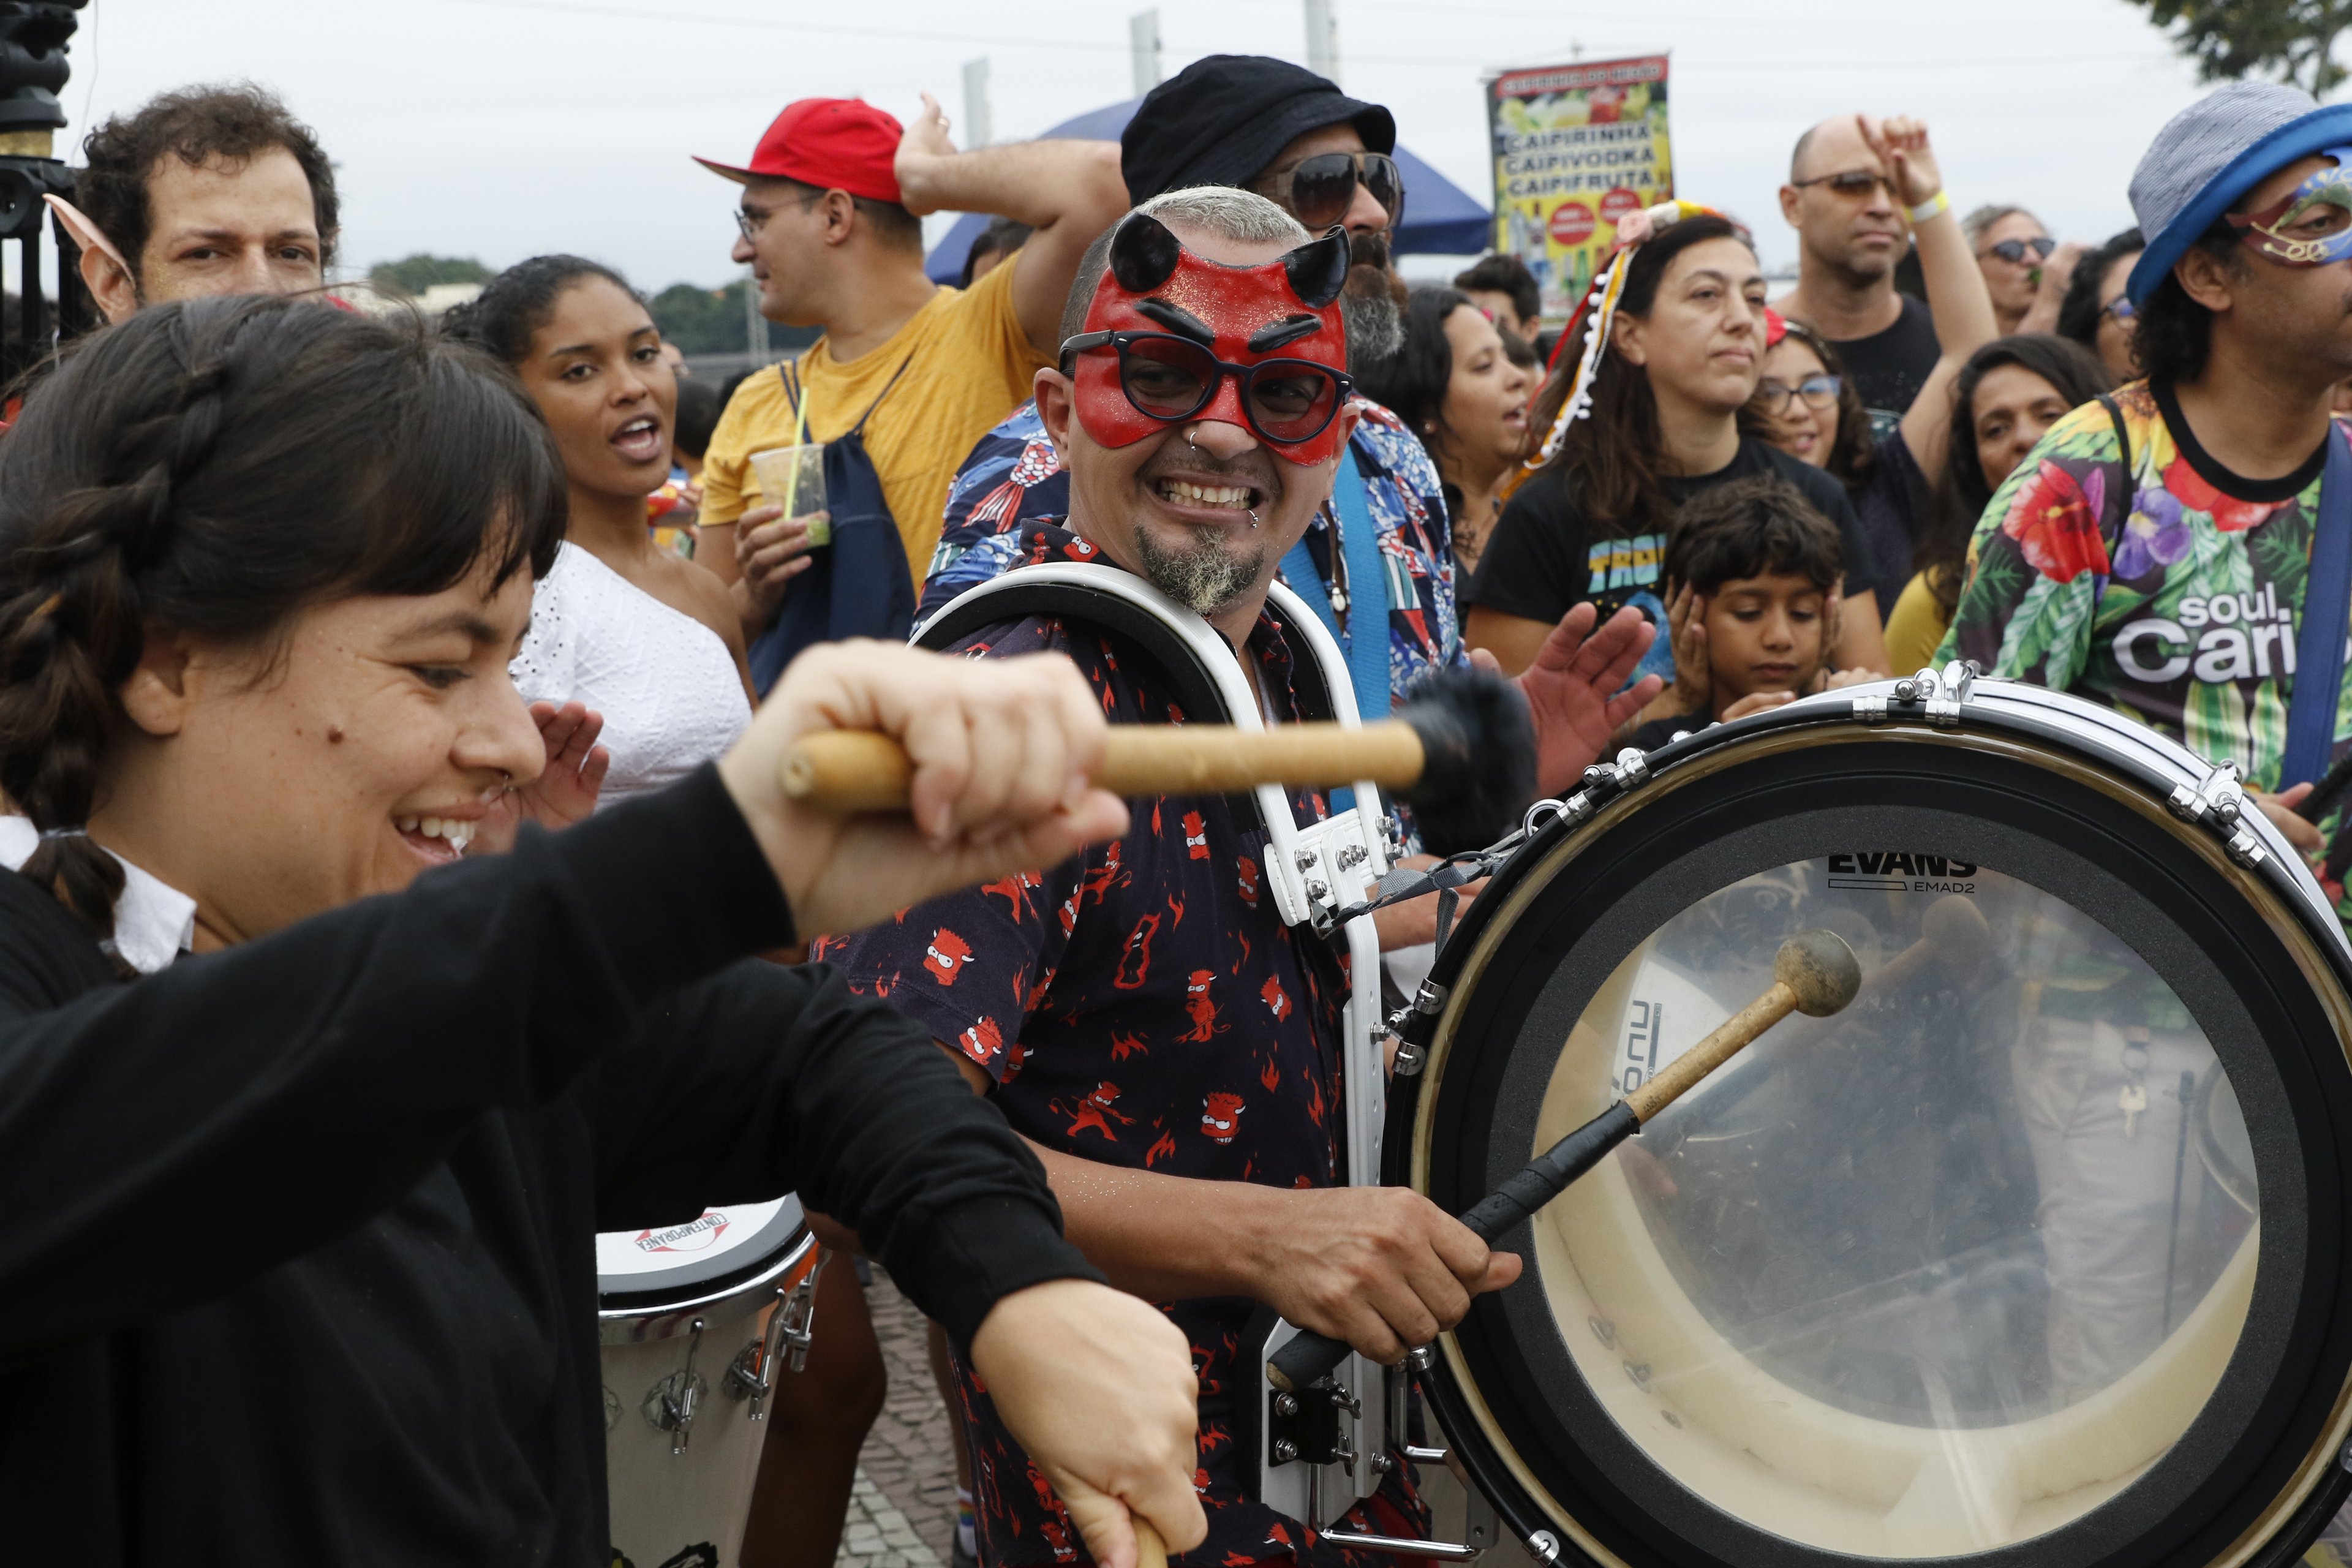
697 1321
2034 1256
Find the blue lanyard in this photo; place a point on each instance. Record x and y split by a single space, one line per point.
2327 600
1367 590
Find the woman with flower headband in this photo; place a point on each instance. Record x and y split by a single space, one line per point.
1643 413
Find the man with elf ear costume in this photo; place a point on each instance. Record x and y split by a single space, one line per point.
211 190
1140 1013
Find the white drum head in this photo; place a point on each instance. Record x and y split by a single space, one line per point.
675 1260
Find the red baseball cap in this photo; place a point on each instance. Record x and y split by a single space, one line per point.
832 143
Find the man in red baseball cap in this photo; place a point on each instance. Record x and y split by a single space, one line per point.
913 371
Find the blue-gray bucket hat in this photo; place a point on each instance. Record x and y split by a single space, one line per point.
2212 154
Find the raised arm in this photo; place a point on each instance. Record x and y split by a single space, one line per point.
1068 192
1956 285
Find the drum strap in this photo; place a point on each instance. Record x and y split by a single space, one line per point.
2327 606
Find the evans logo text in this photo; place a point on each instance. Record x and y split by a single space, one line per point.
1892 870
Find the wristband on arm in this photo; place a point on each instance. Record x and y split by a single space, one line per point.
1938 202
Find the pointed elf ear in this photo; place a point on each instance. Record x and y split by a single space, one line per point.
86 234
1143 254
1318 269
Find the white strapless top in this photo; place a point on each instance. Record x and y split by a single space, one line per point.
669 691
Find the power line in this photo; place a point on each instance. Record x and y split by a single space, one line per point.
1013 41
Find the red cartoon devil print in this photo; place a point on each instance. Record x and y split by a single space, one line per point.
946 955
1140 1050
1220 1116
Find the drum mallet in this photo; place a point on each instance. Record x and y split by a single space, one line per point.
1814 974
1460 752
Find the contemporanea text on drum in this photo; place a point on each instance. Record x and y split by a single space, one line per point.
2035 1254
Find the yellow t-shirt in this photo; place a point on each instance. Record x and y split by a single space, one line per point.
968 365
1916 628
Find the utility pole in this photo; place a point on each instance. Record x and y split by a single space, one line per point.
1143 38
979 123
1322 40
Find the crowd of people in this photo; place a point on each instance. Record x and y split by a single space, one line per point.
298 604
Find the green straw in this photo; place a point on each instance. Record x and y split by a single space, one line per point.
800 440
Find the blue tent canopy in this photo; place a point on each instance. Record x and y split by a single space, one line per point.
1440 218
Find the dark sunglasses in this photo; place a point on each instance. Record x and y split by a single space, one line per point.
1169 378
2121 309
1853 183
1322 188
2041 244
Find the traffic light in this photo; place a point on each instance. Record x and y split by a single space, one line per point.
33 69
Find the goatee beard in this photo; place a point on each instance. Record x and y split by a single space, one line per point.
1206 578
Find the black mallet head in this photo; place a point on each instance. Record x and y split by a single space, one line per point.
1478 747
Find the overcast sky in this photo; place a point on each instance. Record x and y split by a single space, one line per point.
503 128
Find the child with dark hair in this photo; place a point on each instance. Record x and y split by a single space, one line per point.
1757 567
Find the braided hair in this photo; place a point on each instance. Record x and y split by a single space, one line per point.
211 469
513 306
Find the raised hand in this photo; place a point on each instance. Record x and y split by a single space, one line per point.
565 792
1572 689
1900 142
925 140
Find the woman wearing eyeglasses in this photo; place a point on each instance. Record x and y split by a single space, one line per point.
2097 313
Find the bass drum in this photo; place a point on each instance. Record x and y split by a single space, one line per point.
2033 1258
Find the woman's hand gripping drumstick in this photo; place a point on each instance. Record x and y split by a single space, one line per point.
1461 751
997 760
1814 974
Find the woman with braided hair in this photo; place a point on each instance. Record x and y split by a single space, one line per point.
296 1266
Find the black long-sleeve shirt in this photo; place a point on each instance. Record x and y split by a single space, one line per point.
295 1240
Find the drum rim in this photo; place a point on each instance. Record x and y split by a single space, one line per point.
2090 758
724 1299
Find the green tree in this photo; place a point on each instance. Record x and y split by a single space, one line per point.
710 320
701 320
2293 40
412 275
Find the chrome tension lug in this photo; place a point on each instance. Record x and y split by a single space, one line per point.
1632 767
1430 999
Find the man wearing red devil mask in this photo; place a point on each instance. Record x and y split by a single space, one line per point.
1199 405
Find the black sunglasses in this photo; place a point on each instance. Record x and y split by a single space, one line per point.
2041 244
1852 184
1169 378
1322 188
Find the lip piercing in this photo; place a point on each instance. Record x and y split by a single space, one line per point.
1252 517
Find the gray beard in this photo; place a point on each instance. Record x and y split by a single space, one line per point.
1375 327
1204 579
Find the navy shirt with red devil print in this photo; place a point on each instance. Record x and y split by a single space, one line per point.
1141 1005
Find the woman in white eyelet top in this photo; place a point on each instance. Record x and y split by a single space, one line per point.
653 643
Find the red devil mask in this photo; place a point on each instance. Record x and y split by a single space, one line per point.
1171 338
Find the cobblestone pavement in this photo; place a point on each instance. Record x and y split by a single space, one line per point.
902 1513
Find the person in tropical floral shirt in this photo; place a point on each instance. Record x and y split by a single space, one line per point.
2151 552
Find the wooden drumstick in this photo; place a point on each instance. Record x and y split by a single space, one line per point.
1814 973
1151 1551
1461 751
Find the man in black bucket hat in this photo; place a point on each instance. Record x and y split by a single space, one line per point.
1278 129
